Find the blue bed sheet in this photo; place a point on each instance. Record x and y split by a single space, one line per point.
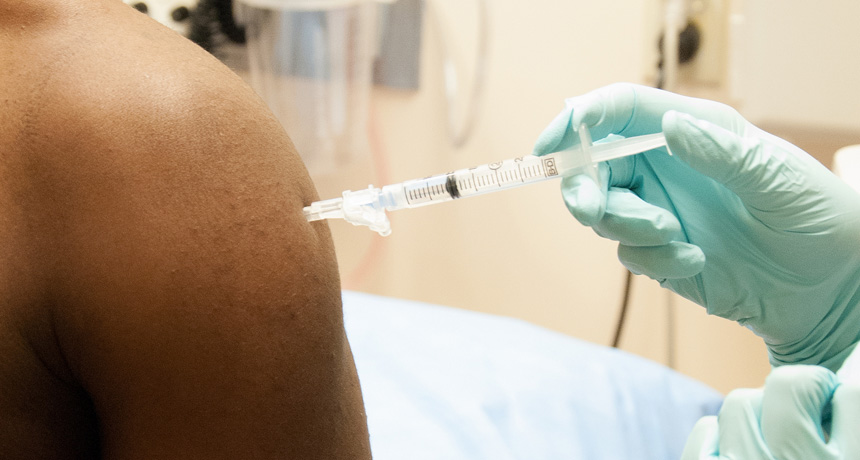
444 383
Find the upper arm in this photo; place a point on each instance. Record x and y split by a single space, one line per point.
193 302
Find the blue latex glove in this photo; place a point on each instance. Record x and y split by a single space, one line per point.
738 220
783 421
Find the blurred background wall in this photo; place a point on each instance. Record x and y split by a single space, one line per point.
791 66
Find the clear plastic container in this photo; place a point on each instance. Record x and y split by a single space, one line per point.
311 60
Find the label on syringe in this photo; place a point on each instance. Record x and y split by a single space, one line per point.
550 167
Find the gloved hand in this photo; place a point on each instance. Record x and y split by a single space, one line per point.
783 421
737 220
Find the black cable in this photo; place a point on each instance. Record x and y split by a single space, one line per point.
622 315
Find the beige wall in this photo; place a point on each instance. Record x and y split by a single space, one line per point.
519 253
797 62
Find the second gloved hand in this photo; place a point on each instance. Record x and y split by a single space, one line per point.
737 220
784 421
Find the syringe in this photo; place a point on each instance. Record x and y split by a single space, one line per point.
368 206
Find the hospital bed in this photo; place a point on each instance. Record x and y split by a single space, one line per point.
444 383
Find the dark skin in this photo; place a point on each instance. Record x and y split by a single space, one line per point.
161 295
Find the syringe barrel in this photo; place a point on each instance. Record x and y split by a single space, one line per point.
416 192
478 180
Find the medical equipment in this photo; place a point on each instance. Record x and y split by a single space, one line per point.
367 207
312 62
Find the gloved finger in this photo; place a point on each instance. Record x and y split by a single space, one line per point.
740 432
583 198
632 221
605 111
675 260
846 420
558 135
703 442
794 400
763 176
633 110
628 110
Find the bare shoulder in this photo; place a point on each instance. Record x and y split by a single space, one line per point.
191 301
